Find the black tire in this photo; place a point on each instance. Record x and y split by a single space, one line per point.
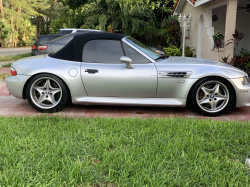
56 83
224 105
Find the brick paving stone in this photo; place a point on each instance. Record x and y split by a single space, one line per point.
11 106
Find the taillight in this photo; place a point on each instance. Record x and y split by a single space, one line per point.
34 47
42 47
13 72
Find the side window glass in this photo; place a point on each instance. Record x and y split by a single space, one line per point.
64 39
82 31
50 38
135 56
66 31
102 51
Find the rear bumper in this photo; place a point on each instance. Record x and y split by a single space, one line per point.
242 93
36 52
15 85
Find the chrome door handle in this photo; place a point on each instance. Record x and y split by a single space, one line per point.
91 71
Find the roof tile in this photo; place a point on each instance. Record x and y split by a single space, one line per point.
192 1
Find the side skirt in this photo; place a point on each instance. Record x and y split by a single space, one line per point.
171 102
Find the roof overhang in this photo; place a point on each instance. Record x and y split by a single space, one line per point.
195 3
202 2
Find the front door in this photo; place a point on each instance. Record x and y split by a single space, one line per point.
103 74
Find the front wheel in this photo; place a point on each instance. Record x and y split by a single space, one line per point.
212 96
47 93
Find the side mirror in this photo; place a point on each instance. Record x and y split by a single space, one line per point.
127 60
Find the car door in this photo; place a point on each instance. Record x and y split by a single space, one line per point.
104 75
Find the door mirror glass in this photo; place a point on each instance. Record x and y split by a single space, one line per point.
128 61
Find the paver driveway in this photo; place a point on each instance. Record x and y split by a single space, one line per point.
11 106
4 70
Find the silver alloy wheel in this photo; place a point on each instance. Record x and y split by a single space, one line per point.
46 92
212 96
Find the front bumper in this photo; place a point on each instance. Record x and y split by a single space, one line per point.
15 84
242 93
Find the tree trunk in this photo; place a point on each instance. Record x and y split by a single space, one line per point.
12 25
18 19
2 15
1 9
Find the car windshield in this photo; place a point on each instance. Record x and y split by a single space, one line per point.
143 48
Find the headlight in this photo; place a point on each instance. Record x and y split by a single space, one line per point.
244 80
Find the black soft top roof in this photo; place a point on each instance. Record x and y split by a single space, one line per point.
73 50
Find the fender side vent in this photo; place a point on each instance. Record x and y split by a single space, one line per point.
177 74
167 74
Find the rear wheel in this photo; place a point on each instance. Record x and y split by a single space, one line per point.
212 96
47 93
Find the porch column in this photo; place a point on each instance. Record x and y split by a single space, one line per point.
230 26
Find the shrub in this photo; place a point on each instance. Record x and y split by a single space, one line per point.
84 26
7 65
173 51
190 52
240 62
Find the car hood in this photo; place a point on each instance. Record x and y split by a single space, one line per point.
197 61
199 67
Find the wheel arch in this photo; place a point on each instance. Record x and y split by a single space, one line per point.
189 93
26 83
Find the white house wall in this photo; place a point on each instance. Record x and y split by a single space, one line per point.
208 52
243 25
210 28
220 24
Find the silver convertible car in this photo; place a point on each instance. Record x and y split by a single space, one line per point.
115 69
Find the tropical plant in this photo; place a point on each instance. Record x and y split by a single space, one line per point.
138 18
172 31
18 13
241 62
173 50
237 38
246 54
225 59
68 19
218 42
190 52
5 31
241 59
218 36
85 26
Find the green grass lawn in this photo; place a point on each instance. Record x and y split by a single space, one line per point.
55 151
13 58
